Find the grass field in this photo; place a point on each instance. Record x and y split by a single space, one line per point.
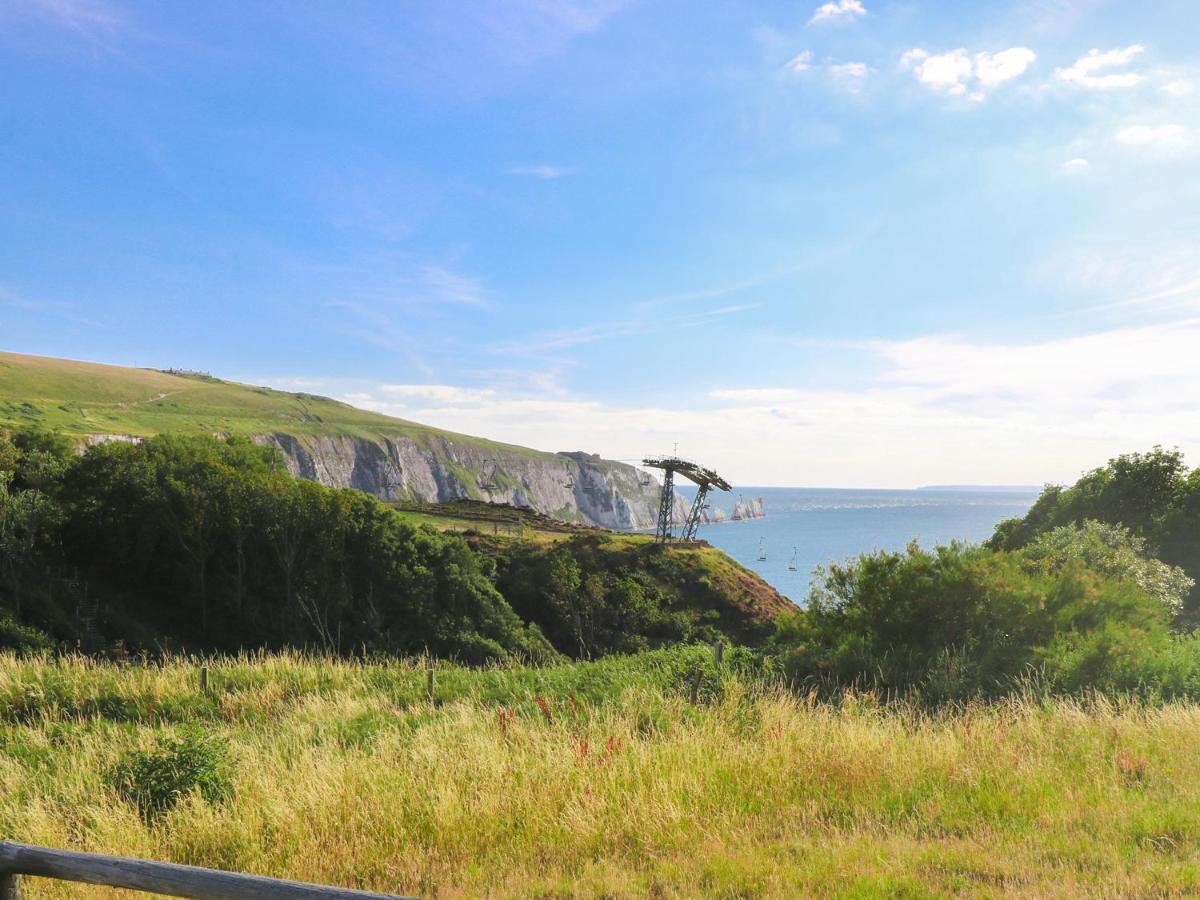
82 398
603 779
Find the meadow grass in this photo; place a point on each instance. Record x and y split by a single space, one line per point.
81 398
604 779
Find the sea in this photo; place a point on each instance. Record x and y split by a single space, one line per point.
809 527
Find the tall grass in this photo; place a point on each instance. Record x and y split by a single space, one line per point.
604 779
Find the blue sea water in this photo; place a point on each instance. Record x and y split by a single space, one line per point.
816 526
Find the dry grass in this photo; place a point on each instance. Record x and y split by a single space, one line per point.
345 776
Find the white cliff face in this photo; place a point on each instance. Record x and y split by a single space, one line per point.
571 486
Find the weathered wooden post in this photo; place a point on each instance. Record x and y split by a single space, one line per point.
429 681
696 686
718 653
10 886
204 679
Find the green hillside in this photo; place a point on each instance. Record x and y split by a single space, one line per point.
82 398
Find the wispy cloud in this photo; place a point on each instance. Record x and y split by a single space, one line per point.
801 62
449 286
957 73
946 407
524 31
438 393
1144 282
1090 71
838 11
1078 164
851 74
1161 142
637 324
545 172
56 309
80 15
1169 135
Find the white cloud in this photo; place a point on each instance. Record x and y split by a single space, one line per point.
838 11
436 393
947 72
1177 88
996 68
754 395
854 70
958 74
1160 136
1086 69
943 407
850 76
541 171
802 62
1078 164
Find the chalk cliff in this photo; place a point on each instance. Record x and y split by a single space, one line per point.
575 487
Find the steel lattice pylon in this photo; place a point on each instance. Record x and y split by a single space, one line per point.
666 508
705 479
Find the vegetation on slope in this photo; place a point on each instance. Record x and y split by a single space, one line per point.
1154 495
964 622
207 544
82 398
595 779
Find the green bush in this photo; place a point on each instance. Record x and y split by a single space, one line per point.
22 638
1111 550
155 780
960 622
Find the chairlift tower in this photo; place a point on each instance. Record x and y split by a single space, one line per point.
705 480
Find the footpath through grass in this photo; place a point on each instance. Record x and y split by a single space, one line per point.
602 779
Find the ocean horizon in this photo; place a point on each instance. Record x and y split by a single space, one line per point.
809 527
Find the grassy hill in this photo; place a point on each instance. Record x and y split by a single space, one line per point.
321 439
85 398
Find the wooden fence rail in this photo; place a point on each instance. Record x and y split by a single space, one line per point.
163 878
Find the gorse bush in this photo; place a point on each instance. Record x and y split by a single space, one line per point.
155 780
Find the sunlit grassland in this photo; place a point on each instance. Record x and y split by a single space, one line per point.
605 779
82 398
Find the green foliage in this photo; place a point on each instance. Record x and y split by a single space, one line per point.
593 596
23 638
155 780
961 621
1153 495
206 544
1112 551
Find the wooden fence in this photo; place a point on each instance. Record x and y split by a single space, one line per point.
170 879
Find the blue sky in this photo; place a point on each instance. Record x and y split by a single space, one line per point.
854 243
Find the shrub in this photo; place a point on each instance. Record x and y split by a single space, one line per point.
1111 551
22 638
960 622
155 780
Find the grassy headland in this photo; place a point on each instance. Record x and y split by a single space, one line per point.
83 398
